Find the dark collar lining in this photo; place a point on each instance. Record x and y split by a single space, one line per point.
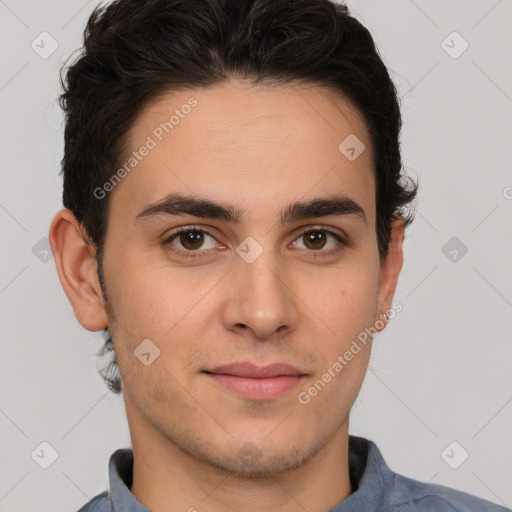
124 467
357 458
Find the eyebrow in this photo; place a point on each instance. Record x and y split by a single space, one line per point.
178 204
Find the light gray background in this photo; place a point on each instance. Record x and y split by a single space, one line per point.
440 372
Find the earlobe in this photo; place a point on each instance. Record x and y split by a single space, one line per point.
77 270
390 269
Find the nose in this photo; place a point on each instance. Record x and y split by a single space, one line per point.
259 298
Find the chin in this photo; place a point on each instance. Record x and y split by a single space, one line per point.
250 462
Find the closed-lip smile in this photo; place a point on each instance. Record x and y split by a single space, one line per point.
256 382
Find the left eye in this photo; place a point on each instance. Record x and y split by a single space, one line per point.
317 239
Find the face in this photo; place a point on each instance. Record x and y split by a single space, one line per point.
250 278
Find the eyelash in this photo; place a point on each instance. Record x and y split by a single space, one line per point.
343 243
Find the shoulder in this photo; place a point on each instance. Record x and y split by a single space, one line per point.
390 491
414 496
100 503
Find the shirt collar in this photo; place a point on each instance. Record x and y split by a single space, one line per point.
120 470
369 476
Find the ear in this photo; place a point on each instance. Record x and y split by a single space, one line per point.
390 269
77 269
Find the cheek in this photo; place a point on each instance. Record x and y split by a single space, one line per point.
151 297
346 300
345 349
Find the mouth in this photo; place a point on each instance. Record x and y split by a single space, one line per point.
257 383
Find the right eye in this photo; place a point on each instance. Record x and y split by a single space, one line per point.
191 240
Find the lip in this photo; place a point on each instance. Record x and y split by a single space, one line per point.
247 369
256 382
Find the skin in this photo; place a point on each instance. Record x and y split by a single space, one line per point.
258 148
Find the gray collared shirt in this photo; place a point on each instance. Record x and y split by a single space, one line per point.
376 488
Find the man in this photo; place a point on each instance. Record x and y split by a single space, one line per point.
235 213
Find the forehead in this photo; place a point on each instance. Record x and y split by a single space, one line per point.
250 145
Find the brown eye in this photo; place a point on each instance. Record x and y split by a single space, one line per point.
189 240
316 242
